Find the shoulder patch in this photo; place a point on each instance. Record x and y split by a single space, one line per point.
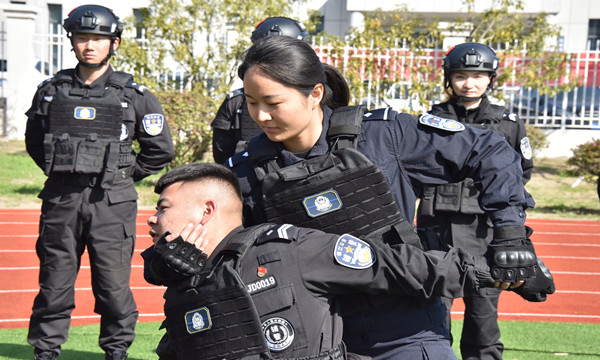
526 148
153 123
353 252
236 92
138 87
441 123
284 231
378 114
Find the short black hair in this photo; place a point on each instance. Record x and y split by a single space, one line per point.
199 172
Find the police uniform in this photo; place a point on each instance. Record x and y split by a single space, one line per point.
410 153
295 277
232 127
449 215
81 136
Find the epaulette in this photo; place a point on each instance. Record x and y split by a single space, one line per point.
234 93
45 82
509 116
279 232
379 114
441 123
237 159
137 86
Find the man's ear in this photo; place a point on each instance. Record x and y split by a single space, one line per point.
116 44
210 209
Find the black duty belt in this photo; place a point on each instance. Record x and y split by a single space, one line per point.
84 180
337 353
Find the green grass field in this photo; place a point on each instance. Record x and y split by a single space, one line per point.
21 180
522 341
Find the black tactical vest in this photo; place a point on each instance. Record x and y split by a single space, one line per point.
85 127
338 192
217 316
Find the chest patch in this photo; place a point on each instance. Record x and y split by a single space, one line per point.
261 285
526 148
153 123
198 320
279 333
441 123
354 253
322 203
84 113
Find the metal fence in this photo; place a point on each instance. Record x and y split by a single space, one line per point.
400 69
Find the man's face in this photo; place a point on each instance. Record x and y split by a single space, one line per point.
91 48
177 206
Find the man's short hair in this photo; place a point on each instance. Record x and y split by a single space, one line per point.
199 172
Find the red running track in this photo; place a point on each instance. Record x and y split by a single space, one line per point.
571 249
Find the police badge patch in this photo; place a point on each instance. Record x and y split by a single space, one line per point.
322 203
198 320
441 123
279 333
84 113
526 148
153 123
354 253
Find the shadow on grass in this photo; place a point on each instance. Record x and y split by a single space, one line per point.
28 189
22 351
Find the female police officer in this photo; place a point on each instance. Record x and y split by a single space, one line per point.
469 74
299 104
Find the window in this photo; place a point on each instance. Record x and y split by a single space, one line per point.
594 34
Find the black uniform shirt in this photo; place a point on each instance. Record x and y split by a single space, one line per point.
156 150
413 155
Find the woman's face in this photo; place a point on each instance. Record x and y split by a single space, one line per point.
469 83
284 113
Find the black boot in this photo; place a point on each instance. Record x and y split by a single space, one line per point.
116 355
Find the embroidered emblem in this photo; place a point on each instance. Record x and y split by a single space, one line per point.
198 320
354 253
279 333
322 203
124 132
261 285
261 271
441 123
153 123
526 149
84 113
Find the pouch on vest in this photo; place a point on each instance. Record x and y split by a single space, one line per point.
469 203
90 156
426 205
216 320
65 150
448 197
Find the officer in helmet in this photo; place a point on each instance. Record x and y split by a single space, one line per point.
450 215
233 126
80 130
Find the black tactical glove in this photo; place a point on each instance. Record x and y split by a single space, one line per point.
535 290
512 254
176 260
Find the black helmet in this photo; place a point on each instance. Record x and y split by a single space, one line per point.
93 19
280 26
470 56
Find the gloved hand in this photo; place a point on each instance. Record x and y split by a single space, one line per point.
512 254
176 260
536 289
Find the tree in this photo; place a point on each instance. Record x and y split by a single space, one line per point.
203 40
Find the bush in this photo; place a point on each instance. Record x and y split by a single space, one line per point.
586 160
537 138
189 114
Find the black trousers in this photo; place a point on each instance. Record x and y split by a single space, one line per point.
75 218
